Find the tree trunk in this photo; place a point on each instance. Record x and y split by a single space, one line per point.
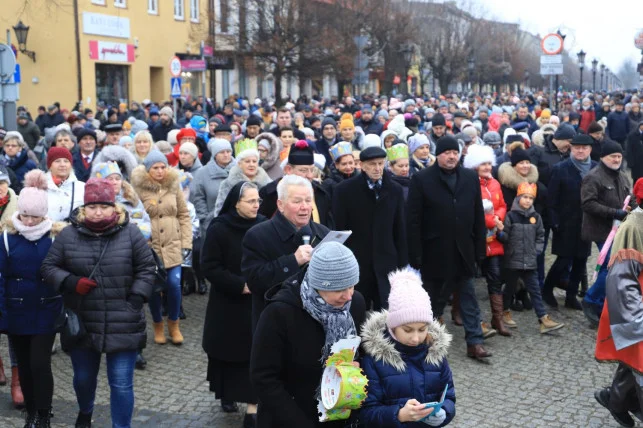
277 76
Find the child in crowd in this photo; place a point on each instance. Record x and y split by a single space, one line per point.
523 234
406 361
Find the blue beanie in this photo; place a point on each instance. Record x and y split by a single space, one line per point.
333 267
152 158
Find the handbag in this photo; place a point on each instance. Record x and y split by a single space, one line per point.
72 330
160 274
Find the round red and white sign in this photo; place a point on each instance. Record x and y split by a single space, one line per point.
175 66
552 44
638 39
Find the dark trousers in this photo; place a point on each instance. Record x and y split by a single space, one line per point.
34 367
492 271
530 279
196 258
439 290
559 269
540 261
626 394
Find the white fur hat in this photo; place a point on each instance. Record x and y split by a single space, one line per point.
477 155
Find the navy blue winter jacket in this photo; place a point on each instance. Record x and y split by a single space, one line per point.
398 373
618 126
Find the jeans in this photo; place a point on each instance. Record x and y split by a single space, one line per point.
120 375
173 297
559 270
596 293
34 366
540 261
439 291
530 279
492 271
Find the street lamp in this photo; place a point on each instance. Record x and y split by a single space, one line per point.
602 72
581 64
594 68
527 78
22 31
607 78
471 65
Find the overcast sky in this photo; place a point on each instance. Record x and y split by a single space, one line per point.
605 30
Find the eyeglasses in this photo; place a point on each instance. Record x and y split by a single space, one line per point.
253 201
11 145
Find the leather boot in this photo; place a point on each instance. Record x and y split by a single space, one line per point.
159 334
175 334
487 330
455 309
570 298
497 315
478 352
44 419
84 420
30 420
16 392
3 377
203 287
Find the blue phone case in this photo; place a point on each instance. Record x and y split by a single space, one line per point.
437 405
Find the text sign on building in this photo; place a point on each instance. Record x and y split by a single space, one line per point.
110 51
106 25
193 65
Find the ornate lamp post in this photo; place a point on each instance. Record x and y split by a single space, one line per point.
471 65
581 65
594 68
22 31
602 72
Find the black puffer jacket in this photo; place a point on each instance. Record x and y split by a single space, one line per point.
127 267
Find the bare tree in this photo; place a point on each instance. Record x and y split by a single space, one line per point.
628 74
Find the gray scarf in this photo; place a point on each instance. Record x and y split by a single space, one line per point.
337 322
582 166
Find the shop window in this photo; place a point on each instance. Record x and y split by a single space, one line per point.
179 12
153 7
112 83
120 3
194 10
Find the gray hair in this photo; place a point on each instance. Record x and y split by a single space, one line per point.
64 132
291 180
245 186
15 135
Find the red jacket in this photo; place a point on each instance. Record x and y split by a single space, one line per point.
586 117
491 190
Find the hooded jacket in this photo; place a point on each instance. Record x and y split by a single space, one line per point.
236 175
397 373
21 164
523 236
124 158
61 201
545 158
509 180
271 164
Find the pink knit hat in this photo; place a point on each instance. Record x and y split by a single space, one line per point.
32 200
408 302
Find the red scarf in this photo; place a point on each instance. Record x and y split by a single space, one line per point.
102 225
3 203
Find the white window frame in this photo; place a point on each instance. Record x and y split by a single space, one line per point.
121 4
194 10
153 7
98 2
179 4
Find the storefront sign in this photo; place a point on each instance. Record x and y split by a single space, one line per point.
193 65
109 51
208 51
220 62
106 25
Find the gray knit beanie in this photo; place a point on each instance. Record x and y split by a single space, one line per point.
152 158
333 267
216 145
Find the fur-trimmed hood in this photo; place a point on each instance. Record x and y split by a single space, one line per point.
509 177
380 346
275 149
141 180
236 175
56 227
129 194
397 125
124 158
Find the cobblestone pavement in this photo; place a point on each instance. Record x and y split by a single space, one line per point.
532 380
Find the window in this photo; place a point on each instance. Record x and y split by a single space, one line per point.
99 2
153 7
224 15
178 10
194 10
120 3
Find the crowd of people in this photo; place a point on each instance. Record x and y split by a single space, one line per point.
105 211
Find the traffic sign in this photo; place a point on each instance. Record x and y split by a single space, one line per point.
552 44
551 59
638 39
551 69
175 87
7 62
175 66
17 78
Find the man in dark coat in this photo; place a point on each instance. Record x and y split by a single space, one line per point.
29 130
618 124
301 162
83 158
275 250
52 119
596 131
603 193
635 152
327 140
555 148
566 216
371 205
366 122
164 125
447 236
522 115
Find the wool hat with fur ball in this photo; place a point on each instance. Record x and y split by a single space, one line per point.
333 267
301 154
477 155
58 153
408 302
32 200
99 191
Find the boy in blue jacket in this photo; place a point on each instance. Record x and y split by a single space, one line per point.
405 360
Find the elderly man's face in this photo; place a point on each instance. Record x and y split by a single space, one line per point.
298 205
374 168
613 161
448 159
113 138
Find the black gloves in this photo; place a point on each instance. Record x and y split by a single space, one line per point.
620 214
135 301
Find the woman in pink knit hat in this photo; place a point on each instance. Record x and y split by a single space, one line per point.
405 360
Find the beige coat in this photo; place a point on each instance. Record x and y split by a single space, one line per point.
171 225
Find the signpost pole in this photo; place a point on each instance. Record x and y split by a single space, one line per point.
205 102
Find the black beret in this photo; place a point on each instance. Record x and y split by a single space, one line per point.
370 153
582 140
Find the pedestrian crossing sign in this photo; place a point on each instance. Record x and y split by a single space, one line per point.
175 87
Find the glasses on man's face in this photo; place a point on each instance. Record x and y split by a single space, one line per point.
253 201
11 146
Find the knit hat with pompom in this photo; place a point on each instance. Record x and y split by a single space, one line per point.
33 197
408 301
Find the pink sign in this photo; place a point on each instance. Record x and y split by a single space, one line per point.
193 64
110 51
208 50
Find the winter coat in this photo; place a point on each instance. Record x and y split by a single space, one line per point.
634 153
322 146
509 180
416 166
597 146
165 204
127 267
446 229
205 189
397 373
272 164
124 158
269 256
379 233
491 190
236 175
586 117
565 211
603 192
135 209
523 236
60 201
335 177
635 119
322 196
30 133
82 174
285 364
227 306
159 131
618 126
197 165
28 305
545 158
600 113
372 127
21 165
404 182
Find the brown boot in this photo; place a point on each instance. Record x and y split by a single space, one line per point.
16 392
478 352
175 334
159 334
487 331
455 309
3 377
496 315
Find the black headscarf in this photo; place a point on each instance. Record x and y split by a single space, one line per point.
229 212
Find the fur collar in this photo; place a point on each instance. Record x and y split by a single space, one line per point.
11 207
141 180
123 157
275 149
509 177
236 175
56 228
129 194
381 348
